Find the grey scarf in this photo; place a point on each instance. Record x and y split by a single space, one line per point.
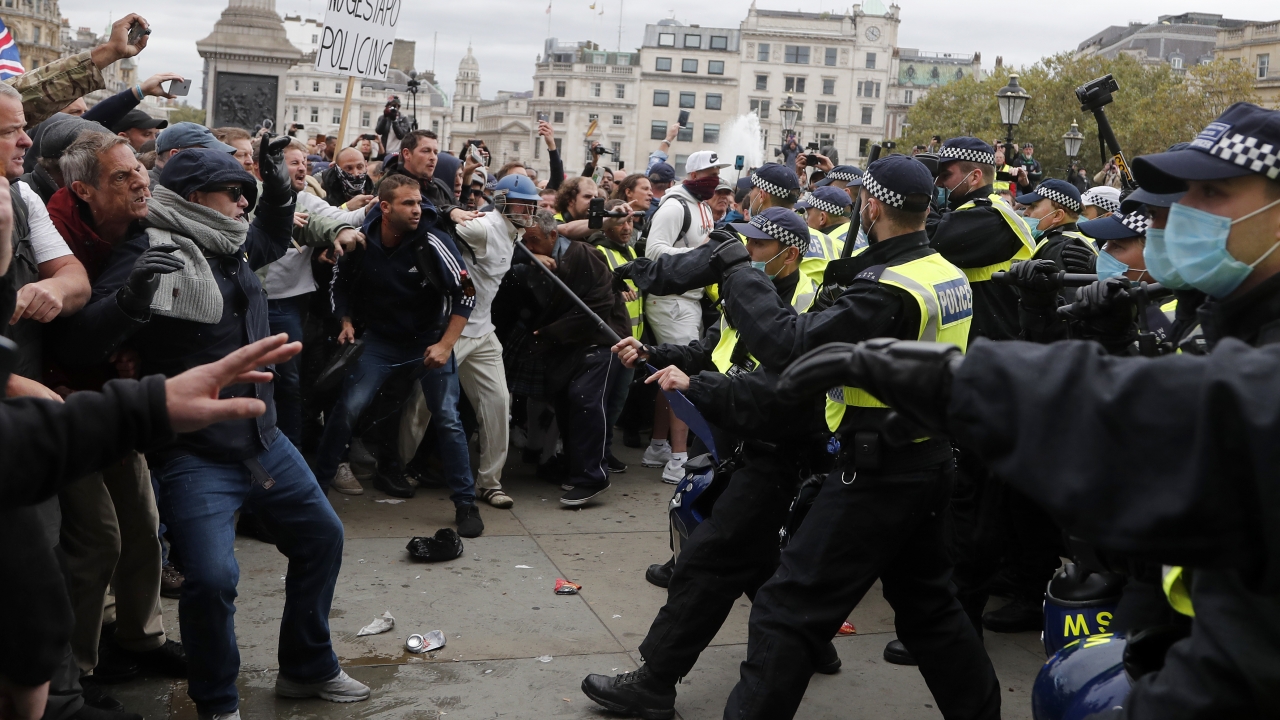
199 232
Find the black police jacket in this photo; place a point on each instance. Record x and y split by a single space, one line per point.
976 238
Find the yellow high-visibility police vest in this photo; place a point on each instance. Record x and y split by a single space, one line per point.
1175 587
1088 242
635 308
822 249
840 233
722 356
1019 227
946 311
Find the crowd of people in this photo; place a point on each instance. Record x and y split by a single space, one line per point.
413 305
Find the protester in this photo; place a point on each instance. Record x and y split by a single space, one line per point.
393 127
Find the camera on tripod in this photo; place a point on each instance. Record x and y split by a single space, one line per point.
1096 94
596 213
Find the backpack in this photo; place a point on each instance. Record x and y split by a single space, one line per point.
684 227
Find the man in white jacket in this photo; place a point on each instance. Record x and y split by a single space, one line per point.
681 223
487 244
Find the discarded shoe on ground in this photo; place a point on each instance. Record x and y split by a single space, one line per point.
445 545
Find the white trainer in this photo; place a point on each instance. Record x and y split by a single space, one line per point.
657 454
233 715
345 481
673 471
341 689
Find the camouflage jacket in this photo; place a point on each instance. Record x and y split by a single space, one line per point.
48 89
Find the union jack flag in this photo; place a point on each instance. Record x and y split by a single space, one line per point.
10 60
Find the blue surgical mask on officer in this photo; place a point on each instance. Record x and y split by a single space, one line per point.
1109 266
1156 257
1196 242
762 265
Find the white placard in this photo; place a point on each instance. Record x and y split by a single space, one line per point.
357 38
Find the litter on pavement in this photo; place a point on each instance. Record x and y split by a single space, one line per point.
379 625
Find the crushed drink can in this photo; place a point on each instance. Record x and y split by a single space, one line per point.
847 629
564 587
427 642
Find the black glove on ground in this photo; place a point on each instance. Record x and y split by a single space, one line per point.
1038 282
913 378
277 186
135 296
1077 259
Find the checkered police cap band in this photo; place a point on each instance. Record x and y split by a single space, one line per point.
1102 202
1061 198
1249 152
1137 223
826 207
779 233
882 193
973 156
842 175
775 190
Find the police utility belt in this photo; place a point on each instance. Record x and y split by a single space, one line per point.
869 450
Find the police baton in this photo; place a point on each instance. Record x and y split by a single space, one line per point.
600 324
1059 280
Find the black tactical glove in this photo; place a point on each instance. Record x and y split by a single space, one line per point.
135 296
1106 308
723 235
1037 281
913 378
1077 259
730 257
277 186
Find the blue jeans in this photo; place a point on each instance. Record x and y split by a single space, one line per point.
441 390
199 498
615 399
285 316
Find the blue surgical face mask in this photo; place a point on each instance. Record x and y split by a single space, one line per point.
1156 257
1109 266
762 265
1197 245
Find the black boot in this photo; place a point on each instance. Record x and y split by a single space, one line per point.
394 484
895 652
660 575
468 520
828 661
634 694
1019 615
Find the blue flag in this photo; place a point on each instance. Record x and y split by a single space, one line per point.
10 60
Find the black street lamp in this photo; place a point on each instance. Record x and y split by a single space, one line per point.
1012 99
789 111
1072 139
413 97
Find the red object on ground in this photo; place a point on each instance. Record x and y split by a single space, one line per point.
847 629
564 587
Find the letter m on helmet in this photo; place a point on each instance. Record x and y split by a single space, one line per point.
1075 625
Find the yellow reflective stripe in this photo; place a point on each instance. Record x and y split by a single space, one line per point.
1019 227
1088 241
1175 587
983 274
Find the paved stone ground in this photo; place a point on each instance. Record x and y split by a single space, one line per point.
499 619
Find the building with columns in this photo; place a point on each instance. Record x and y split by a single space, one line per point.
835 67
36 26
466 101
505 127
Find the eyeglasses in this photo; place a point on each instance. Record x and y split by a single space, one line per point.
235 191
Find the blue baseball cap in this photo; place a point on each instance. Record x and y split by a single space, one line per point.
662 173
1245 139
189 135
777 223
893 179
830 200
776 179
969 149
1059 191
1116 227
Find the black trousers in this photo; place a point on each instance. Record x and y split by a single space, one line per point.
727 556
887 526
580 411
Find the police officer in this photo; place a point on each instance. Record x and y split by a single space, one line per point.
979 233
736 549
1203 494
775 185
880 513
826 210
844 177
1053 209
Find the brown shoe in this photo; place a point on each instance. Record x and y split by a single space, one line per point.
170 582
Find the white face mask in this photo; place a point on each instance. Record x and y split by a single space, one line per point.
865 232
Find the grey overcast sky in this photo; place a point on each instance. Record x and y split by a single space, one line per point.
508 35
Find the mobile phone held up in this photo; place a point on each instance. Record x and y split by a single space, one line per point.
543 117
684 119
136 31
178 87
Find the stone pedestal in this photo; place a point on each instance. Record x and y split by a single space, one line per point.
245 61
